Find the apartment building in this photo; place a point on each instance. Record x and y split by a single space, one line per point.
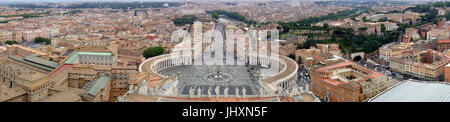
346 82
428 64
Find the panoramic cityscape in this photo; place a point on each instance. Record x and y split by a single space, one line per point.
225 51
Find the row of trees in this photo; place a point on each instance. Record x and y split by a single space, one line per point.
285 27
334 16
72 12
186 19
233 15
42 40
25 16
37 40
9 42
214 15
31 15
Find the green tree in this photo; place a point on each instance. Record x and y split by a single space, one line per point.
299 60
42 40
233 15
292 56
309 42
9 42
215 15
326 26
72 12
186 19
365 19
153 51
362 28
300 46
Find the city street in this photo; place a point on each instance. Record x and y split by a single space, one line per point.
303 77
382 69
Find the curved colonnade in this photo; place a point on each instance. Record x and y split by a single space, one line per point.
283 81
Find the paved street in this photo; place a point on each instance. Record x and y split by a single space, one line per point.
303 77
382 69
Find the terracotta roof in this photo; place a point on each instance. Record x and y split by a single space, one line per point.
443 41
343 64
370 73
